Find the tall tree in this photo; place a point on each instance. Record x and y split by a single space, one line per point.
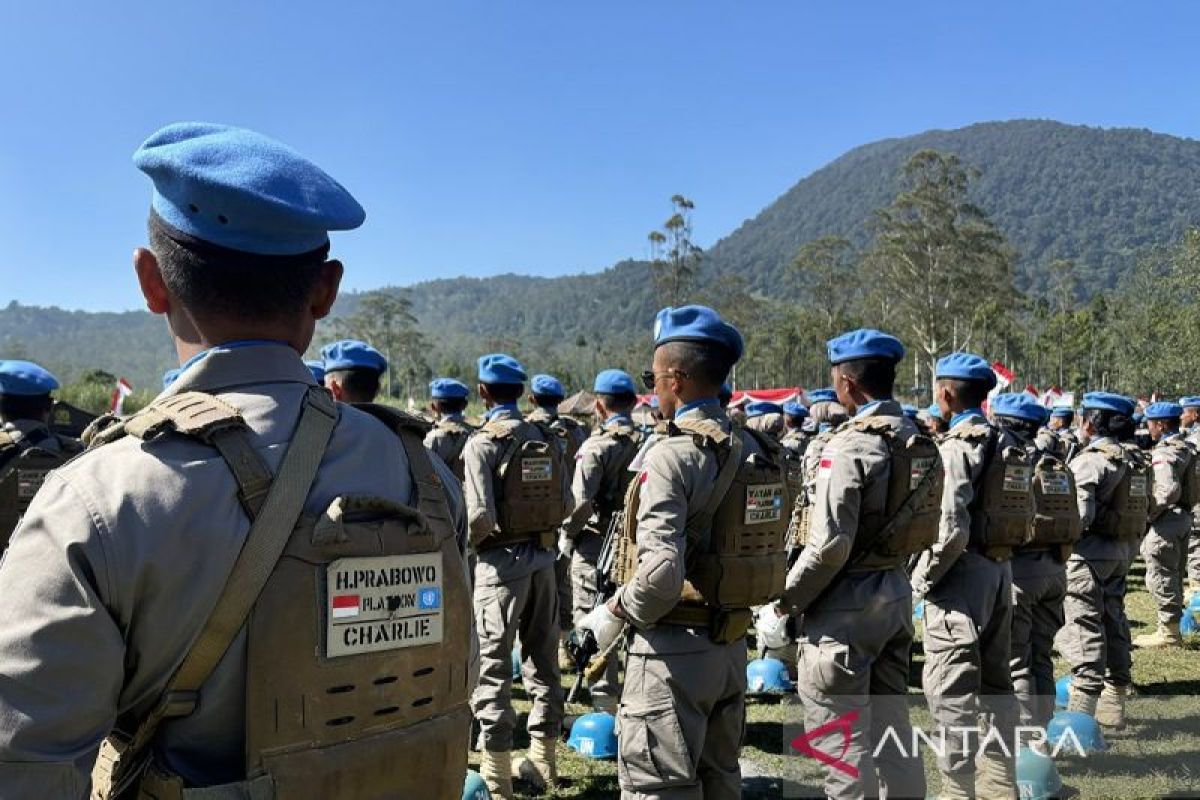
675 258
943 265
384 319
824 271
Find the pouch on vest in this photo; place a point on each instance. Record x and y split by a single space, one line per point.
23 469
1056 510
800 523
1003 506
1127 512
530 498
911 516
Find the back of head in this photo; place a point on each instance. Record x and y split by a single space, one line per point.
25 389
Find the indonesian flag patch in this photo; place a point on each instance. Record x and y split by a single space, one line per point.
344 605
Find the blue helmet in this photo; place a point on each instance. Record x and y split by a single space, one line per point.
594 735
1037 777
1062 691
768 676
1067 728
516 663
474 788
1188 625
1193 607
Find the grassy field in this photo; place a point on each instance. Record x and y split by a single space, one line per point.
1157 755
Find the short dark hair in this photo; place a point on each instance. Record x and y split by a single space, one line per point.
549 401
25 406
505 392
1023 428
361 385
970 393
213 281
876 376
1109 423
707 364
450 405
618 403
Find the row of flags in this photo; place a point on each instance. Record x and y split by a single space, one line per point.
1054 396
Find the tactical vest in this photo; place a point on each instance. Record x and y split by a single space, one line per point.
617 476
735 544
459 432
1056 520
801 518
24 466
572 433
1127 511
1189 472
909 520
357 666
531 502
1002 509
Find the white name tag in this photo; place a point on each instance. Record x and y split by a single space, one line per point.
1137 486
29 481
1016 478
383 603
1056 483
536 470
764 503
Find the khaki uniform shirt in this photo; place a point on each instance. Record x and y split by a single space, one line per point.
851 481
445 444
121 557
796 441
481 466
1095 480
1170 457
598 469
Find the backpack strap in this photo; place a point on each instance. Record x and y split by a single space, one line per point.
265 542
701 522
430 492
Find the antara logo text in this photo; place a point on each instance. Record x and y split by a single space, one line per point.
941 741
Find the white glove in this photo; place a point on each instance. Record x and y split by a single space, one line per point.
603 624
566 545
770 628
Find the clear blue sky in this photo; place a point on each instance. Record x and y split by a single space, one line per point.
544 138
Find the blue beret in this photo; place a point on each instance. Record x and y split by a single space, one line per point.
244 191
547 386
169 376
910 411
1062 411
1019 406
1164 410
760 407
864 343
352 354
1190 402
935 411
965 367
1107 401
696 324
499 368
794 409
317 368
447 389
614 381
822 396
25 378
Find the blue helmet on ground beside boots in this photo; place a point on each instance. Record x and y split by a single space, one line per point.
768 676
1067 728
1062 691
1037 777
474 788
594 735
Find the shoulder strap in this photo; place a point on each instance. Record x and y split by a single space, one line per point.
268 536
430 495
702 519
707 428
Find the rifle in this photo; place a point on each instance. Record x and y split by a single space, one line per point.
590 661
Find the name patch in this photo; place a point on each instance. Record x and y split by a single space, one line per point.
920 468
383 603
536 470
29 481
1017 478
1055 483
1137 486
764 503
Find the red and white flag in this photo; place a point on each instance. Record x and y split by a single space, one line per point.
122 390
1004 376
1032 391
344 605
1051 397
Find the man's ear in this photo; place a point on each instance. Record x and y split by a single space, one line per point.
326 289
150 279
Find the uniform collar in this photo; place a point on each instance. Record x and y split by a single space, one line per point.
540 413
966 416
617 420
453 418
503 411
241 363
702 407
880 408
1166 437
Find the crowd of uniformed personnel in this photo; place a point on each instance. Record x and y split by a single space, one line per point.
264 585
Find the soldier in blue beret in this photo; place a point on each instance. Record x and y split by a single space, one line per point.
847 583
967 673
685 676
794 440
935 423
158 544
353 370
518 493
28 447
1165 546
765 417
1189 425
448 437
1106 470
602 475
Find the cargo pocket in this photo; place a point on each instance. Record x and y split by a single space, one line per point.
654 754
948 628
489 616
828 666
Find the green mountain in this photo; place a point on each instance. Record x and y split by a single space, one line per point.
1097 196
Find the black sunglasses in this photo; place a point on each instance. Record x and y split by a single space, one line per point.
650 377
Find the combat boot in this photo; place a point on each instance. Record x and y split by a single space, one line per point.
1110 709
1163 636
495 767
1080 701
995 777
957 787
540 768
